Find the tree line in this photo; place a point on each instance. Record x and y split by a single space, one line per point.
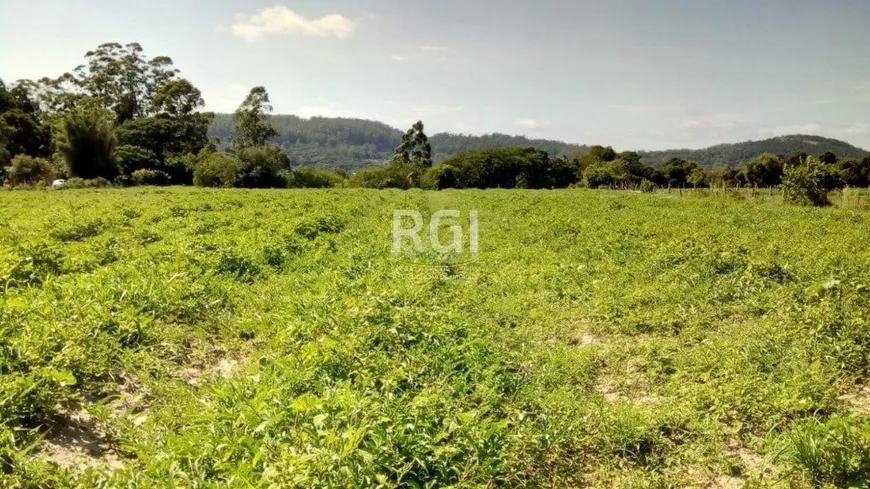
127 119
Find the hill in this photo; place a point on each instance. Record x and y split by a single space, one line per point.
734 154
337 142
349 144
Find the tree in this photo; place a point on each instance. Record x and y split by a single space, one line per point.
855 172
677 170
157 142
123 79
828 158
697 178
262 167
596 156
725 175
803 184
86 141
597 177
177 99
415 148
25 169
251 118
564 171
21 130
764 171
438 177
213 169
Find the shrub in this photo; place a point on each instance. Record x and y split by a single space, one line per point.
597 177
262 167
145 176
395 175
25 169
213 169
314 178
438 177
131 158
647 187
76 182
804 183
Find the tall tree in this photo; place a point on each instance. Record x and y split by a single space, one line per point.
123 79
21 128
415 147
177 99
252 120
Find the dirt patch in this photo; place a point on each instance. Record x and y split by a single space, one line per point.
626 388
217 368
857 400
752 462
583 339
700 478
77 443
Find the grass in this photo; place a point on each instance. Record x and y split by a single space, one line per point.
226 338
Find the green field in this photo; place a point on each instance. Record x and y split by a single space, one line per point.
227 338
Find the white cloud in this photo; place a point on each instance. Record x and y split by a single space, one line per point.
396 57
531 124
281 20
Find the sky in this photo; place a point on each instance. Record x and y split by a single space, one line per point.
636 75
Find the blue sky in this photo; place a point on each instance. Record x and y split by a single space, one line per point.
632 74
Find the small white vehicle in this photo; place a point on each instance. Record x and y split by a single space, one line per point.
59 183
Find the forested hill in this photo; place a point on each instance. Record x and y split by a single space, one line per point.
733 154
324 142
446 145
336 142
328 142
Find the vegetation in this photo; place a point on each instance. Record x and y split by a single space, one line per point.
806 183
349 144
227 338
133 120
87 144
738 153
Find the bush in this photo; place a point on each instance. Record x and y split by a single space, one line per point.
146 176
131 158
213 169
804 183
25 169
597 177
262 167
314 178
76 182
438 177
647 187
395 175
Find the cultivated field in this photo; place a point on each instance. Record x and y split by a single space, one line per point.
227 338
